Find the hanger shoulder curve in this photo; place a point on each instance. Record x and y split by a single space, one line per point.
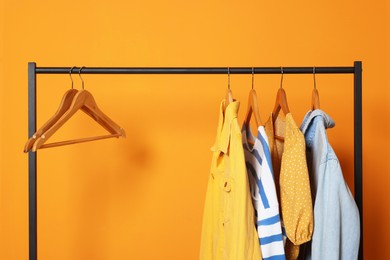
315 100
77 103
91 108
280 103
253 108
63 107
228 97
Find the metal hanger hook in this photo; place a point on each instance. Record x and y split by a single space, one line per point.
314 77
82 81
253 77
228 69
70 74
281 79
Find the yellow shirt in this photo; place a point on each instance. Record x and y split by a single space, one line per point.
291 172
228 231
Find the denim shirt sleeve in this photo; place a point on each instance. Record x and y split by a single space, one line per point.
336 216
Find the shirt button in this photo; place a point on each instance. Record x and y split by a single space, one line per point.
227 186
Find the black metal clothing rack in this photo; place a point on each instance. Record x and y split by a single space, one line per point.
33 70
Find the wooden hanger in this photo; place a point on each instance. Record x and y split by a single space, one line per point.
64 106
315 100
229 94
228 98
280 103
82 100
315 96
253 107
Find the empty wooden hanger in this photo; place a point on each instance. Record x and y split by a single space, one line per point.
64 106
229 94
253 107
82 100
315 96
280 103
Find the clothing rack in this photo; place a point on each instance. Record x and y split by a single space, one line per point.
33 70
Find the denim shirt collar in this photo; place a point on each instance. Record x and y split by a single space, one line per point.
312 115
314 125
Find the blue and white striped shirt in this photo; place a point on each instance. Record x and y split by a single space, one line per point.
263 192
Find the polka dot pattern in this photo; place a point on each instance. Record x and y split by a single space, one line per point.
290 168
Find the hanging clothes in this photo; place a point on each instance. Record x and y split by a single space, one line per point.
336 216
292 181
228 231
263 191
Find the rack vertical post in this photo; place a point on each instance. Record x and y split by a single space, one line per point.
358 147
32 162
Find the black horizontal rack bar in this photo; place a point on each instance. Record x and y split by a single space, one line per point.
33 70
195 70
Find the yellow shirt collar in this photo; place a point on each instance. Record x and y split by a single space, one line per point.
224 124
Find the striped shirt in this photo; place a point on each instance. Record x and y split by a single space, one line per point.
263 192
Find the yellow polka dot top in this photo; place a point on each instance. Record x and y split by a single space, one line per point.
292 181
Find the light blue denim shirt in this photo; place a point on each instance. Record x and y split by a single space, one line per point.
336 217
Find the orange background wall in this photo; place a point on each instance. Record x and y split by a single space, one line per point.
142 197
